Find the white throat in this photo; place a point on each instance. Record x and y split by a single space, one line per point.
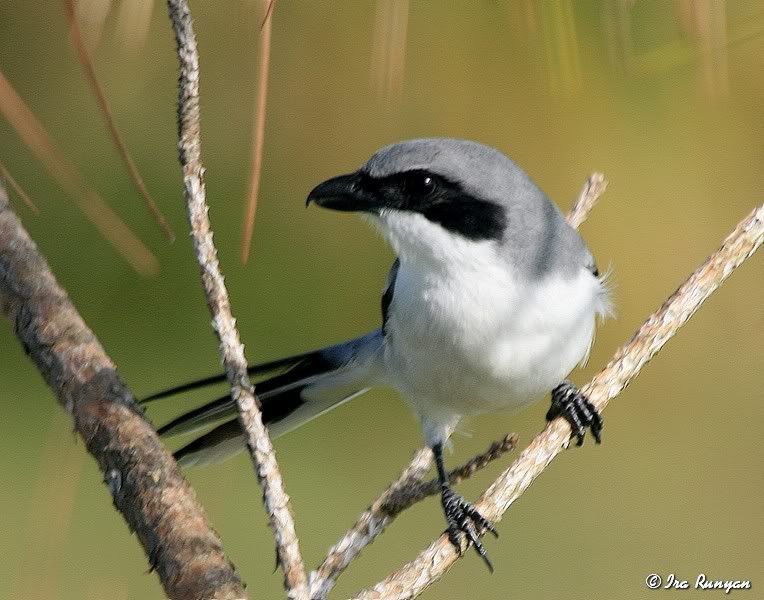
425 246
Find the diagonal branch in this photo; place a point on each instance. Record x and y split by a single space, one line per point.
374 521
145 483
231 349
406 491
414 577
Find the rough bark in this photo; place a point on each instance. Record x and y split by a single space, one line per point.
145 483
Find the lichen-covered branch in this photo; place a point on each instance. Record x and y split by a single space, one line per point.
231 349
414 577
144 480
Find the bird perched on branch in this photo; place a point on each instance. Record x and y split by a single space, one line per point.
490 303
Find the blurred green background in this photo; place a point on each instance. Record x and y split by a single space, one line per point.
664 97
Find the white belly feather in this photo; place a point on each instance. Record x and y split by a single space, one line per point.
485 342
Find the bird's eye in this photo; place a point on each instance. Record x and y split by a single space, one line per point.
419 183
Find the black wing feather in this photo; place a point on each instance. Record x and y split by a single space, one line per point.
279 396
387 295
207 381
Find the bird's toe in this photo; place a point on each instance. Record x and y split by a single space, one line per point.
577 410
464 519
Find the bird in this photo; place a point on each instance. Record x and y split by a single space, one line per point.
492 300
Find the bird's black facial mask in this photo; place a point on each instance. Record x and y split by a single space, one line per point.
438 199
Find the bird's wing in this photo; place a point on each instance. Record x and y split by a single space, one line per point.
313 383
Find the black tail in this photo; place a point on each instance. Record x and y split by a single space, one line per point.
253 370
279 396
309 385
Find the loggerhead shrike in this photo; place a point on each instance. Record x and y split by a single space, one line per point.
490 303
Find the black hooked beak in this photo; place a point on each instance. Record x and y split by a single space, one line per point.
344 193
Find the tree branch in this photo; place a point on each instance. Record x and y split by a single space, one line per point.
231 349
406 491
414 577
144 480
593 189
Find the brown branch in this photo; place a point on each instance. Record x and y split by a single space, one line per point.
231 349
374 521
414 577
146 485
406 491
95 86
6 175
258 132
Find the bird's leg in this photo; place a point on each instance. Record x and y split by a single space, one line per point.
461 516
569 402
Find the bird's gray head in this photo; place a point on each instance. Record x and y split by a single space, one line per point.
438 195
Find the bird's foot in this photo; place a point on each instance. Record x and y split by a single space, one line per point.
569 402
464 518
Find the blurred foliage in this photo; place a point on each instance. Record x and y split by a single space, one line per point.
664 97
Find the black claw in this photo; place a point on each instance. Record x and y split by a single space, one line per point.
464 518
569 402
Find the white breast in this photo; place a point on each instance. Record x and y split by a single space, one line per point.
478 339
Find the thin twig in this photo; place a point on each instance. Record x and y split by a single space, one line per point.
373 522
258 131
100 214
400 499
231 349
593 188
5 174
406 491
145 483
414 577
95 86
